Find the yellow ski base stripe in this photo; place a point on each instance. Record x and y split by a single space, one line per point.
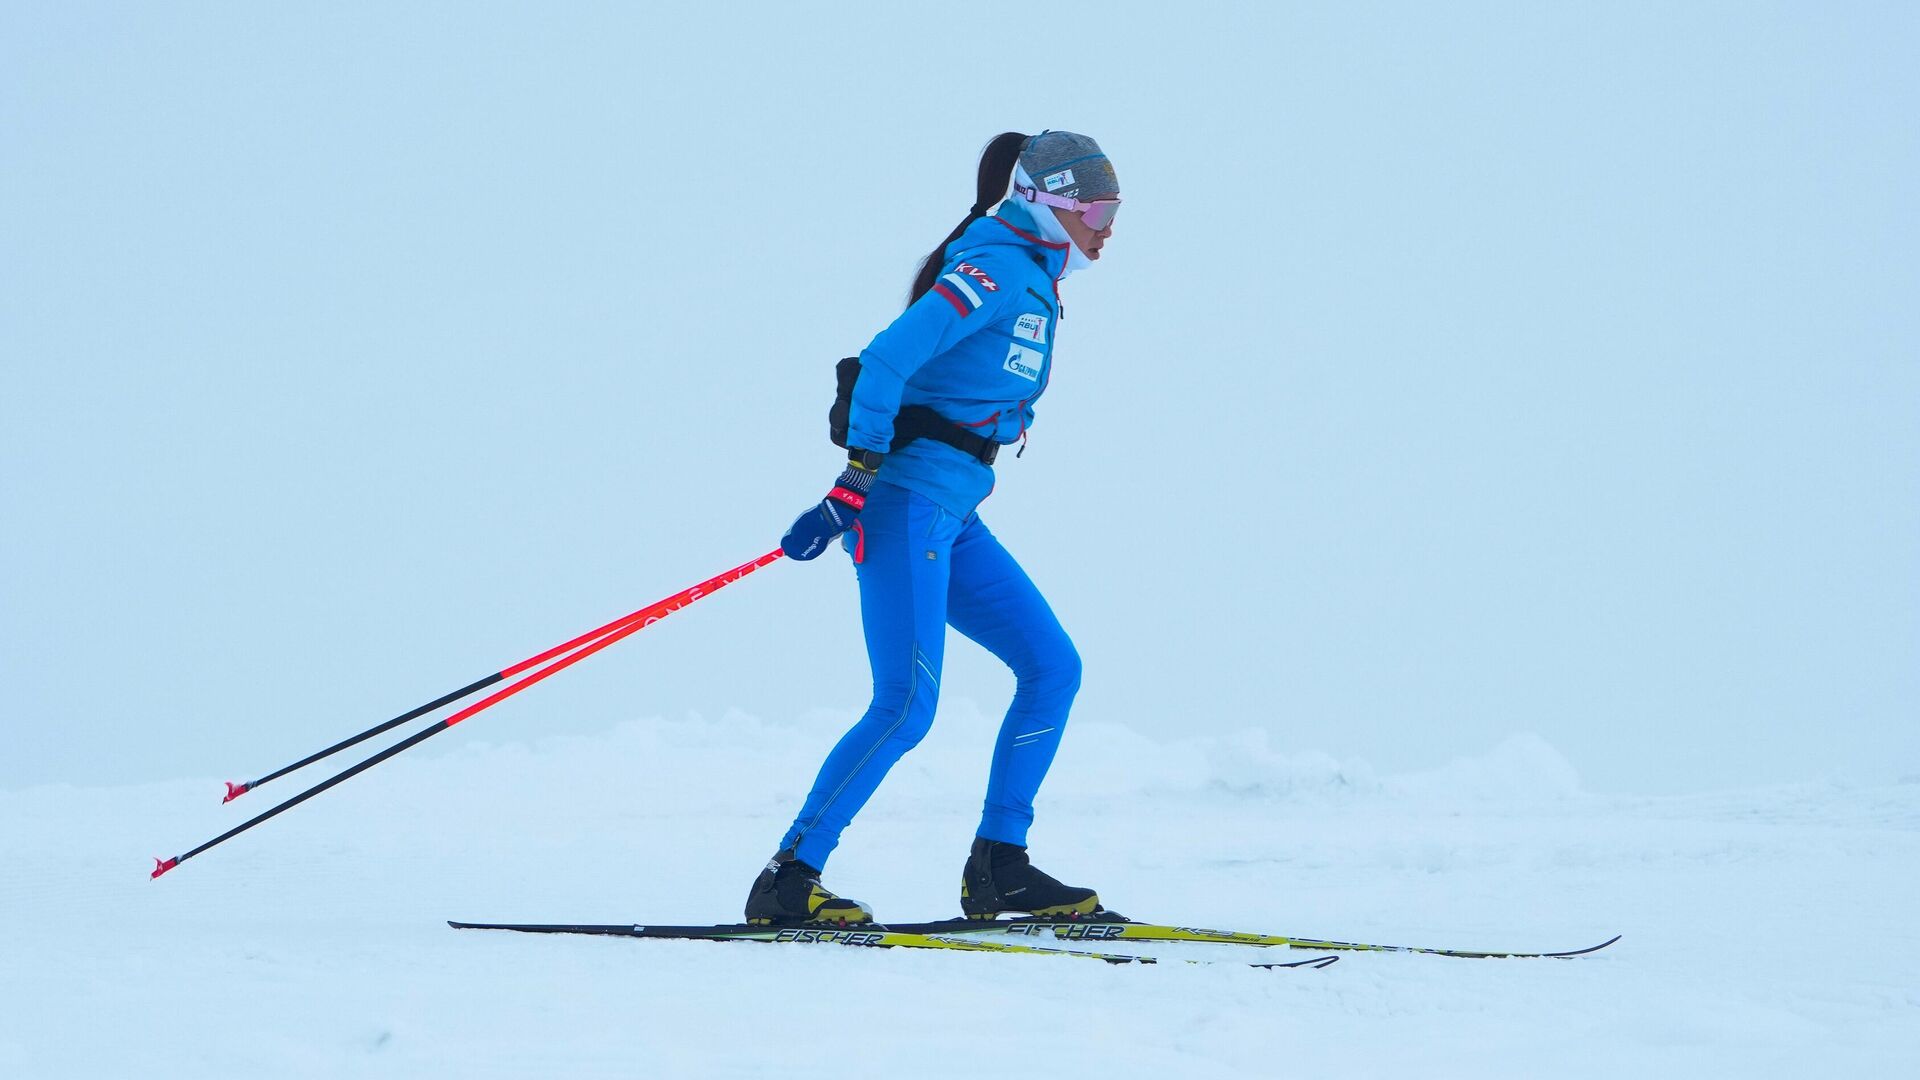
902 939
1094 930
907 940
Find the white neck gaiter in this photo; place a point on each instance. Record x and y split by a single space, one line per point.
1045 220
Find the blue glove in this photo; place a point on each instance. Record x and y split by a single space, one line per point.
813 530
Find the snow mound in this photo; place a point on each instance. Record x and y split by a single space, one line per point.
741 763
1523 767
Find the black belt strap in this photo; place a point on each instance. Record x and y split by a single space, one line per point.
913 421
920 422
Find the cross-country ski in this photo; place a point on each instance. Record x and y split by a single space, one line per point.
911 936
1102 926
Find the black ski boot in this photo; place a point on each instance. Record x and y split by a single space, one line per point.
788 892
999 878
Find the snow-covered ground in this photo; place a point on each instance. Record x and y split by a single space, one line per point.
1768 932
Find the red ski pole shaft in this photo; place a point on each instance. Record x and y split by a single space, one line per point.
622 629
234 790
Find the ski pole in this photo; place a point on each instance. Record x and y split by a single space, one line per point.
234 790
632 624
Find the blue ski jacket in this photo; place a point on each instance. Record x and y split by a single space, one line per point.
977 349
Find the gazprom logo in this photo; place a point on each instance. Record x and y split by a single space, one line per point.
1024 362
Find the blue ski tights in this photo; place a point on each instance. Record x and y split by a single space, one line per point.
921 568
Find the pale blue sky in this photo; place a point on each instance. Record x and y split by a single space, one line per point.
1454 371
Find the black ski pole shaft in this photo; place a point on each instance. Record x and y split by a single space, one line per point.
161 866
640 620
234 790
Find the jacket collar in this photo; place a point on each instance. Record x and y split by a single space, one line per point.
1012 225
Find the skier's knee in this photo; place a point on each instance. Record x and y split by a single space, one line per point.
915 720
1055 671
919 721
891 698
908 711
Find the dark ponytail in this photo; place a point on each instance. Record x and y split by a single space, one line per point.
996 175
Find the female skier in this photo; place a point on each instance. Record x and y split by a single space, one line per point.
932 400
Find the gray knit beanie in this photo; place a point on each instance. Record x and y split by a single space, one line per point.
1069 165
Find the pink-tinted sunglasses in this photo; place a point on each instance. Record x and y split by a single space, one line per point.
1098 214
